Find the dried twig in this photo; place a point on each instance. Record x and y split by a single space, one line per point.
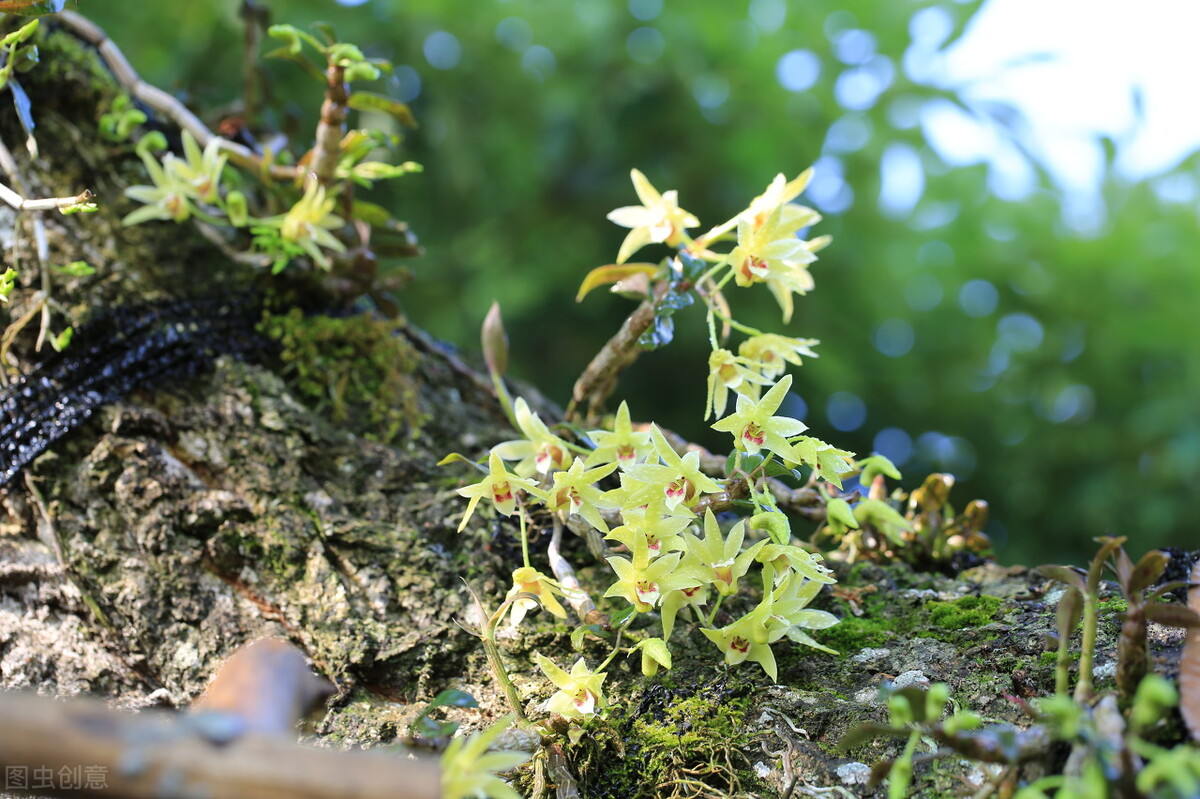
162 102
127 756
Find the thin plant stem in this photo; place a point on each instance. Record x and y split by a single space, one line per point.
524 533
1087 648
709 622
1062 669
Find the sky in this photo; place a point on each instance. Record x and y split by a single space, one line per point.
1079 68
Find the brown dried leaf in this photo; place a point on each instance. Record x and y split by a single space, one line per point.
1189 665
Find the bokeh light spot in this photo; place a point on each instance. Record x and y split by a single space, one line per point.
894 337
846 411
894 444
645 45
645 10
539 62
978 298
798 70
514 33
442 50
1020 332
923 292
768 15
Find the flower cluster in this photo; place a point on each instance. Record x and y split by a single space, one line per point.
671 557
180 185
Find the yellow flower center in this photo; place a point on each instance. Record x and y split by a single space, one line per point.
753 435
501 492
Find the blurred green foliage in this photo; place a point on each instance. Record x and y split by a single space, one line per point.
1054 372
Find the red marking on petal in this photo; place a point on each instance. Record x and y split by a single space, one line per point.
753 434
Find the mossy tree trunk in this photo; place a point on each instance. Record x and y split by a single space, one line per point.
194 515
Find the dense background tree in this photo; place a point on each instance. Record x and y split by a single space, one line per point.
965 327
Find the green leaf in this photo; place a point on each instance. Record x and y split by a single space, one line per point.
370 101
452 697
371 213
1173 615
877 464
457 457
884 518
613 273
1068 612
741 460
76 269
361 71
62 340
378 170
577 636
621 616
22 33
1070 575
1148 569
839 516
424 727
775 523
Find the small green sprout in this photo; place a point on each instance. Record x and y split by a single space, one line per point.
470 770
122 117
63 339
74 269
8 281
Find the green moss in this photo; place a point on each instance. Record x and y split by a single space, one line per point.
357 369
969 611
1114 605
853 633
885 619
672 741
